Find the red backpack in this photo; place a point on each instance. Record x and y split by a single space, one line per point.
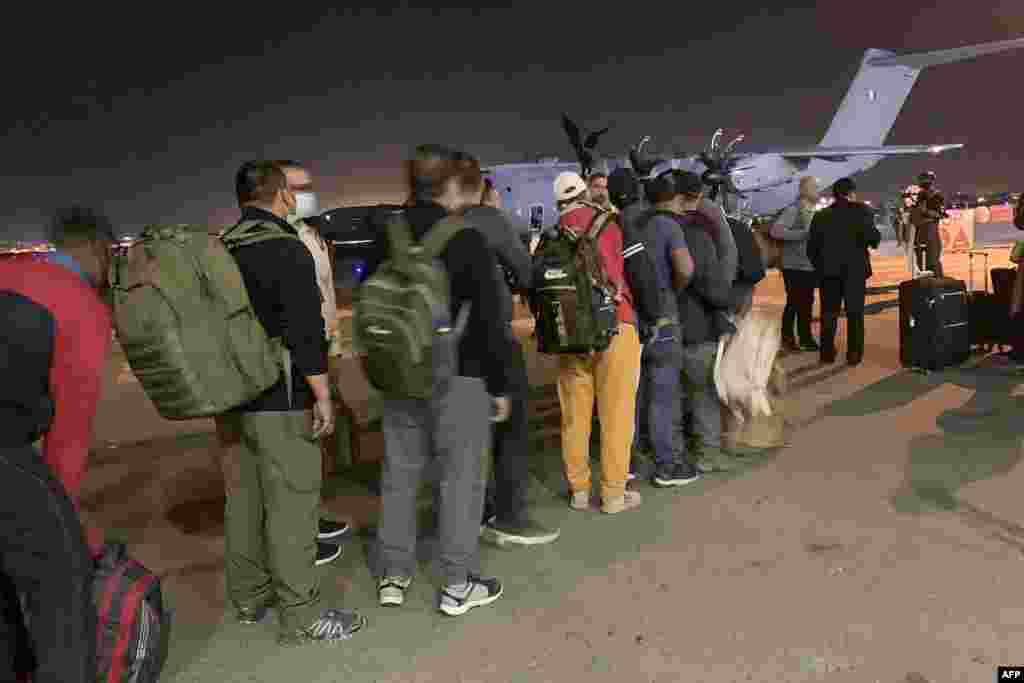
133 626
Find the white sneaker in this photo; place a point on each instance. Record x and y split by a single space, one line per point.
391 590
476 592
580 501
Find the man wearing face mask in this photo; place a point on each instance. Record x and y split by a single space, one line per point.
307 208
273 485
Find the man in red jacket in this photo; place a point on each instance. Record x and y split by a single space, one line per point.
53 356
611 376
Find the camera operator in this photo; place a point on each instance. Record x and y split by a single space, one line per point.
929 209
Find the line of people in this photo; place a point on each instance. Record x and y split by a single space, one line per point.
681 273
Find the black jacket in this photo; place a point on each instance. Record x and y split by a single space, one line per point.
512 256
839 241
639 266
707 297
485 350
281 280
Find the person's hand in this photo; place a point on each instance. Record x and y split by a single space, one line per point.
502 408
323 418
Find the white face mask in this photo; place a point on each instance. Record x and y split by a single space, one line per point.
306 205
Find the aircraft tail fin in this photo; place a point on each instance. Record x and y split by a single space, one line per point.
882 85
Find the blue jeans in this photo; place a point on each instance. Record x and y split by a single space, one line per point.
658 395
701 410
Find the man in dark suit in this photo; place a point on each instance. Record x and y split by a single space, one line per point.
838 249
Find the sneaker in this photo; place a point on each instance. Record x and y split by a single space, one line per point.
333 626
329 530
391 590
676 474
810 346
527 532
326 553
476 592
627 501
580 501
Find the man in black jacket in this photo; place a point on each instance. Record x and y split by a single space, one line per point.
838 249
451 429
274 489
702 308
505 518
927 213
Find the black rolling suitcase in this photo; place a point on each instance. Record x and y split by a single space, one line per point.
988 317
934 328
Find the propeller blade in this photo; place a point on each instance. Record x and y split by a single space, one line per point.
732 145
572 130
592 139
714 141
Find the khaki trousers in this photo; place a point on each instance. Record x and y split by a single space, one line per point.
272 477
611 377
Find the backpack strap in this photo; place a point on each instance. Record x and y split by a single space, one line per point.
244 233
399 236
599 223
433 243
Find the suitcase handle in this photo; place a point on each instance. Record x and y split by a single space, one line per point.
970 268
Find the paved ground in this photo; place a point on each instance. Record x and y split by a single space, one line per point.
883 544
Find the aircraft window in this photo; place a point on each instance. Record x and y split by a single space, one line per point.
537 218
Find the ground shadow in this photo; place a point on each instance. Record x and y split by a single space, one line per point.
895 391
981 440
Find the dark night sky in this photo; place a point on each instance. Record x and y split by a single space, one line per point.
147 113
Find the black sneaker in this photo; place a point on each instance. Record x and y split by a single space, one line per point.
329 530
809 346
527 532
326 553
675 475
333 626
476 592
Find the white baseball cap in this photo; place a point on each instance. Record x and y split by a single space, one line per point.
569 185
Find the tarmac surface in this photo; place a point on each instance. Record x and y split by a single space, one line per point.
884 542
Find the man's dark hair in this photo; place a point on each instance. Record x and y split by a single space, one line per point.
596 175
843 188
432 166
79 225
259 182
661 189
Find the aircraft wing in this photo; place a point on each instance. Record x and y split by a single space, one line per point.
840 153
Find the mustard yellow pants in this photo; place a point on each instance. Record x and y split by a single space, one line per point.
611 377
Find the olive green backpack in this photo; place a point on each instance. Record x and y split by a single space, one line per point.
185 321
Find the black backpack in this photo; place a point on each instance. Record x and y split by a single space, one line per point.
1018 213
751 266
573 300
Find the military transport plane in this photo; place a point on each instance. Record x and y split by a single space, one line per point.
760 184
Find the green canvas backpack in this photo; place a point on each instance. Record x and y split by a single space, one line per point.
573 300
185 321
402 323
